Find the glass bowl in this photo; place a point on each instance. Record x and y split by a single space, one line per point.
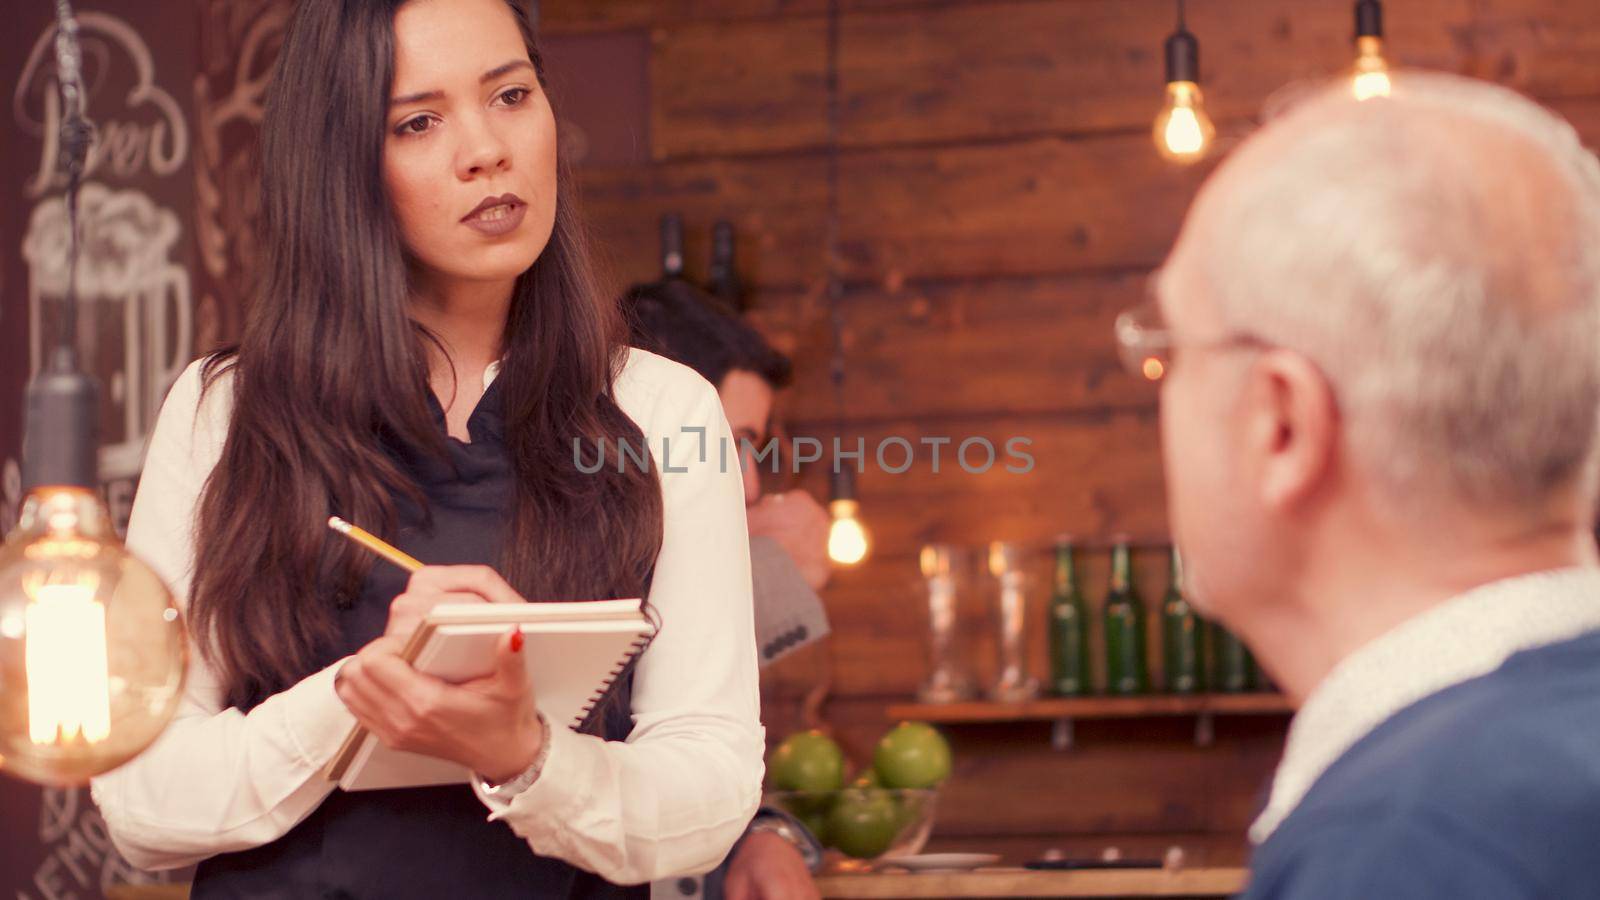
864 824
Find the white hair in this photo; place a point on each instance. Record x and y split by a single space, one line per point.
1437 255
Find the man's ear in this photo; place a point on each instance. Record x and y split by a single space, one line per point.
1292 426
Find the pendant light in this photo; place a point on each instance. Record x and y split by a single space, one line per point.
1183 132
848 543
92 649
1371 74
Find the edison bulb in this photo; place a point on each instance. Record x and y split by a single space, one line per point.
1183 131
1371 78
92 649
847 538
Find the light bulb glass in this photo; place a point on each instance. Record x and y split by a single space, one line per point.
92 649
1183 131
847 539
1371 76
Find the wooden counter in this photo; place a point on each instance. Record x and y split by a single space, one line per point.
1194 883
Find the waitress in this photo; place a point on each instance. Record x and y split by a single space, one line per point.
426 355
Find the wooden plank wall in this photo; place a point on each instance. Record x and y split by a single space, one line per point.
1000 202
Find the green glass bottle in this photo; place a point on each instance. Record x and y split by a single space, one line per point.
1126 672
1069 628
1259 679
1233 662
1180 635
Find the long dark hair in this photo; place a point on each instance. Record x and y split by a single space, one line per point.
330 371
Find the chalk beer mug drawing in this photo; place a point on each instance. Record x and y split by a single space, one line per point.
135 315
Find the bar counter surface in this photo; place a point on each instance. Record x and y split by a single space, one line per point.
1019 883
988 883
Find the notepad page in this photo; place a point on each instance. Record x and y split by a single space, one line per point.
568 663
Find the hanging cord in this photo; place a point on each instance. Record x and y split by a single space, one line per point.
60 441
831 251
77 134
1181 23
816 698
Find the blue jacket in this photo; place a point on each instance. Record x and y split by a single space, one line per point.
1488 789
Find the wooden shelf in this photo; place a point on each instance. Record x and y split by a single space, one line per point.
1063 711
1050 708
1248 704
1022 883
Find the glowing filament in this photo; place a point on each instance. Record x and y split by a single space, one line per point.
847 539
1372 71
1183 131
69 688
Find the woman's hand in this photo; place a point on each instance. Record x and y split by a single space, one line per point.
432 585
490 724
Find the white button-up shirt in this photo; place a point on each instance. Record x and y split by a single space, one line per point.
671 799
1458 640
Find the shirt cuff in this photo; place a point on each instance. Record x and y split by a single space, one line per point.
558 792
314 717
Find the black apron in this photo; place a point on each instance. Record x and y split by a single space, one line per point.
433 842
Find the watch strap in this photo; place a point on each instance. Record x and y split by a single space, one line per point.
524 779
784 825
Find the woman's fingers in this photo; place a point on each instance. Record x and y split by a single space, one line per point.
411 711
417 693
377 671
407 610
480 580
509 680
422 601
398 704
356 693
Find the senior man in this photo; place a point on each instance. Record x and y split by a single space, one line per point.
1379 333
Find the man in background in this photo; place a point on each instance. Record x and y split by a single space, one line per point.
1380 329
687 325
788 551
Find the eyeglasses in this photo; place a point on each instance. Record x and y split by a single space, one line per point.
1146 348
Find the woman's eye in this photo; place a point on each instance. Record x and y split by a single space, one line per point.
419 125
514 96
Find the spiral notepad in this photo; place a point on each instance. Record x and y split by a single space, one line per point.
574 651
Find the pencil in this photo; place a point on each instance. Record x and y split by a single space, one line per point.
375 544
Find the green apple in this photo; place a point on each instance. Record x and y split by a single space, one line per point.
863 823
867 778
817 823
912 755
808 761
802 804
909 807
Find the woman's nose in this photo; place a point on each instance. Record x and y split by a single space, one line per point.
483 152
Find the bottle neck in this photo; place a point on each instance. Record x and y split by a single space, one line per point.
1121 569
1175 573
722 250
671 247
671 264
1066 571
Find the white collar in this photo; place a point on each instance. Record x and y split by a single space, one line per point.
1458 640
489 373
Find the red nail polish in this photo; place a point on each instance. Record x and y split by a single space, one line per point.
516 641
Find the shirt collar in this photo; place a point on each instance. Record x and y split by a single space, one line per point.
1465 637
489 373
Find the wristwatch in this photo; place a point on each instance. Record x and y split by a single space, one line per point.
505 790
777 822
